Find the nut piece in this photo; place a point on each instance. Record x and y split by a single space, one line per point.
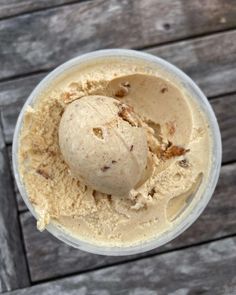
174 151
126 112
43 173
123 90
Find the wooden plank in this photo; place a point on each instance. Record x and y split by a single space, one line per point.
20 203
56 35
206 269
50 258
16 91
214 72
210 61
226 115
9 8
13 95
13 271
225 108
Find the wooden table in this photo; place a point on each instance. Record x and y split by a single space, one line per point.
198 36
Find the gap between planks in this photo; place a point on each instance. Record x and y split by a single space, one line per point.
125 262
12 182
205 270
82 29
190 38
13 269
27 12
151 47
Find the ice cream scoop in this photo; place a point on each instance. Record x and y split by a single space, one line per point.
104 144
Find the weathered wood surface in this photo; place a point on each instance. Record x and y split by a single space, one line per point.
44 39
9 8
210 61
49 258
207 269
16 91
13 271
226 115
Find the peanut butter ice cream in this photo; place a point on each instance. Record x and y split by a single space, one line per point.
114 152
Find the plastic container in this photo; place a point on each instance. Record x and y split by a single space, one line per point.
214 169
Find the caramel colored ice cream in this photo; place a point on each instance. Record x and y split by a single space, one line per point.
103 147
114 152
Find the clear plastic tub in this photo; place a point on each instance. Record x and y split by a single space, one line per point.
194 213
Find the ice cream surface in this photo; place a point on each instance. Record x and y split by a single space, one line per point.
158 152
104 144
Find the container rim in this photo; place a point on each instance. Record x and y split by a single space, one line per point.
179 228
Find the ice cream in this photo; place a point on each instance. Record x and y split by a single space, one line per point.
104 144
160 163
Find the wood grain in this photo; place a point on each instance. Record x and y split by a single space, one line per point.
9 8
206 269
13 271
226 115
209 61
198 58
16 91
49 258
56 35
